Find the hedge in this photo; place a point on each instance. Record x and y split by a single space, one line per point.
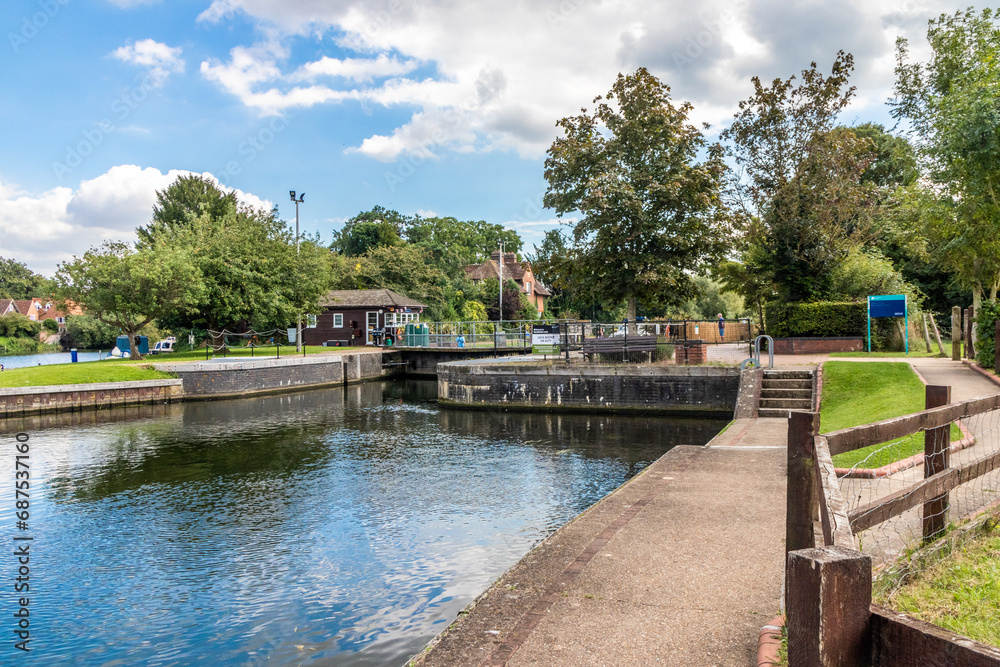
819 318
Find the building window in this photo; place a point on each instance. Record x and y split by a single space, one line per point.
527 288
338 320
310 321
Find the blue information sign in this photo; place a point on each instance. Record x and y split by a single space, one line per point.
889 305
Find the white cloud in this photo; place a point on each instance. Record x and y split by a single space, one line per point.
51 227
159 59
512 69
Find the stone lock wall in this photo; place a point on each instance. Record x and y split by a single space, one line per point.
705 391
21 401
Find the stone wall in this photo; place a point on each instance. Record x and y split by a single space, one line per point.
22 401
818 345
694 390
238 377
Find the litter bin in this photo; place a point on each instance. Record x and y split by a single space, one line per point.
73 356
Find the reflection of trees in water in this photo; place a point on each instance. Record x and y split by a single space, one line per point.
386 425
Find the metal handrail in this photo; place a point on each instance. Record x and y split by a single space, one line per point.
770 350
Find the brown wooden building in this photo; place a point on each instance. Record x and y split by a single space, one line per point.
350 317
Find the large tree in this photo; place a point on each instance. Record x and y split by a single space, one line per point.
246 256
129 288
951 103
650 212
17 281
800 188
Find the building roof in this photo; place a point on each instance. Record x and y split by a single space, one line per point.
511 270
379 298
24 306
7 304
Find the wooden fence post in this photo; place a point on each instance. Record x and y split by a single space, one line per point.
968 333
828 602
800 491
927 334
937 448
956 333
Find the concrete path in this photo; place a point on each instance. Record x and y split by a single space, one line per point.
680 566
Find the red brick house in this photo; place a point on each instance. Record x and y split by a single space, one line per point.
350 316
39 310
7 306
519 272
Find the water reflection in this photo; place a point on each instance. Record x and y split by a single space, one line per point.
343 526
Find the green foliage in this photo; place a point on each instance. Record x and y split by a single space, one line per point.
359 238
15 325
950 103
473 311
895 160
245 258
406 269
128 288
802 190
712 299
986 317
454 244
651 213
87 332
863 273
17 281
50 325
820 318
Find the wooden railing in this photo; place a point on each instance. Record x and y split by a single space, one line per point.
829 614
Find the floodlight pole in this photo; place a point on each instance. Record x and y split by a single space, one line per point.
298 320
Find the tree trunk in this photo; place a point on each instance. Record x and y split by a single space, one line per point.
133 343
630 314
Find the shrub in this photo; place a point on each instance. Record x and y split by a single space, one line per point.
988 314
15 325
50 325
820 318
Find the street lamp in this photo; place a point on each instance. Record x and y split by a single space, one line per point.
298 322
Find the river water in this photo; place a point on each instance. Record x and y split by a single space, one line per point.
46 358
331 527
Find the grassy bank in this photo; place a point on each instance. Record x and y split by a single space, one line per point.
960 593
84 373
862 393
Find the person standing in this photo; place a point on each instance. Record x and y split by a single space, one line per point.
722 327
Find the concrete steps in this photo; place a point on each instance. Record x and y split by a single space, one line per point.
785 391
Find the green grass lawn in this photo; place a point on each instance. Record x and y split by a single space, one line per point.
861 393
183 354
82 373
121 370
960 592
914 353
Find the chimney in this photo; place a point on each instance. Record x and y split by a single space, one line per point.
509 258
495 256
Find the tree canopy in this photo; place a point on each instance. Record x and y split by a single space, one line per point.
129 288
17 281
651 213
245 256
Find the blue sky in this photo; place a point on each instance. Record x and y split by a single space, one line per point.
438 107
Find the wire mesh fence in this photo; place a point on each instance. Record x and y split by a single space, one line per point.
912 499
720 342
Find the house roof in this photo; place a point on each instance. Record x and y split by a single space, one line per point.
24 306
5 305
511 270
381 298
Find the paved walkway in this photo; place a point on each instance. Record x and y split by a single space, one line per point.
680 566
